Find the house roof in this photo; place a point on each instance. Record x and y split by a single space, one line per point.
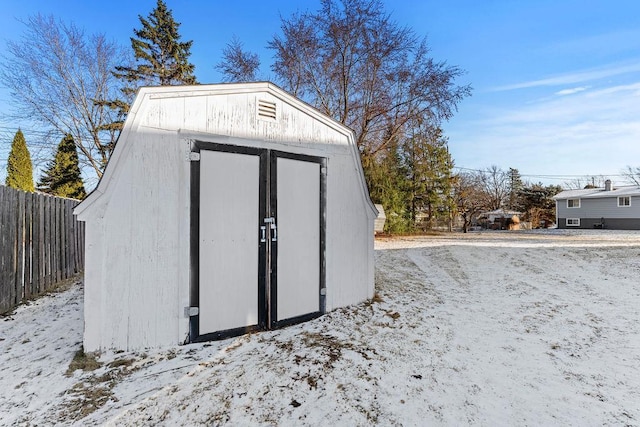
599 193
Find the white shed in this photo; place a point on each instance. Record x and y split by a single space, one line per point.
224 209
378 224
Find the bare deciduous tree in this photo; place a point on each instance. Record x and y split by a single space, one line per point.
57 76
470 197
632 175
354 63
592 181
497 185
238 65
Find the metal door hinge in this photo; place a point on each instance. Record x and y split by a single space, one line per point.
194 156
191 311
323 291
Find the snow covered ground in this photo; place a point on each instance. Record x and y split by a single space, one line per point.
499 328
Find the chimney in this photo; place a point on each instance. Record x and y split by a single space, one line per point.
607 185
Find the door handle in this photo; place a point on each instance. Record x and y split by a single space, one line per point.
263 234
274 234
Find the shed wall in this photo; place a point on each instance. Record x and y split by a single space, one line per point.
138 264
133 257
349 238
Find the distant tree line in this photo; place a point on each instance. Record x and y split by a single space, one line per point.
493 188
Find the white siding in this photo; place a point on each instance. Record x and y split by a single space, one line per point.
234 115
137 261
93 279
132 254
349 263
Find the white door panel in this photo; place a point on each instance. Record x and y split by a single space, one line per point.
298 217
229 209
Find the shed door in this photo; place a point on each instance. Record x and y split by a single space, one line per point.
257 240
296 259
228 244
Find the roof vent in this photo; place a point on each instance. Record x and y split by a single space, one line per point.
266 110
607 185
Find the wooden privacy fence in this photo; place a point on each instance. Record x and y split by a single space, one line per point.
41 244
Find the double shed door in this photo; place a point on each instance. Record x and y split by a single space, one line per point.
257 239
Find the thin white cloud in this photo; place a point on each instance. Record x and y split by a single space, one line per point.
632 89
572 91
574 78
619 41
590 133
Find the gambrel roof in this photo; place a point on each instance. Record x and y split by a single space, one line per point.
192 97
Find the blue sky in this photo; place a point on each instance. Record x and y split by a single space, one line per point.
556 84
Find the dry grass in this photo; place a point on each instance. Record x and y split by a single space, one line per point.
84 361
94 390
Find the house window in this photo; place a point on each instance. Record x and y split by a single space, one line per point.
573 203
624 201
573 222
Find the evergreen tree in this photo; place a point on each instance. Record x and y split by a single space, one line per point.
428 164
515 188
19 166
62 177
538 204
411 177
387 181
160 59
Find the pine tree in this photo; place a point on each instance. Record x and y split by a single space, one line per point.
387 182
538 204
19 166
62 177
160 59
428 163
515 188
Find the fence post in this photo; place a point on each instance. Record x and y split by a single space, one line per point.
5 248
35 238
28 244
13 246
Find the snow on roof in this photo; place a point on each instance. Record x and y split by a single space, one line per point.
598 193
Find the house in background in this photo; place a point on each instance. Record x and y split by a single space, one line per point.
500 219
614 208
